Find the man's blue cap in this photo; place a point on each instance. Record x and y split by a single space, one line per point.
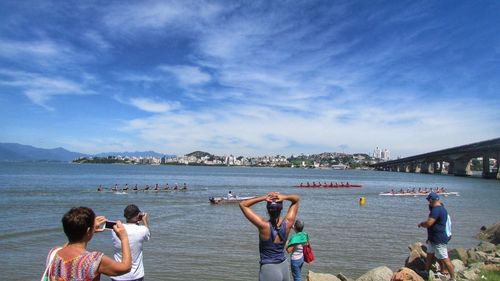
433 196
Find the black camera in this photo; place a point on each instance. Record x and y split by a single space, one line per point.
109 224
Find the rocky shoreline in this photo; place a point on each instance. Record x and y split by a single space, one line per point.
468 263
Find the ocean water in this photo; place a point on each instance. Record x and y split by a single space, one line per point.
193 240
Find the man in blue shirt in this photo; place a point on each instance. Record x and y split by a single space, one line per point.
437 238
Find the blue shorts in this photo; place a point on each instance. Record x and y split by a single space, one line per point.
440 251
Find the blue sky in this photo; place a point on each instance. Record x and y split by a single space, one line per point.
249 77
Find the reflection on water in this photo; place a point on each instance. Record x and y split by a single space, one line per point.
193 240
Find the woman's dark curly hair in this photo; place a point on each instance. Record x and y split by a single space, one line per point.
76 222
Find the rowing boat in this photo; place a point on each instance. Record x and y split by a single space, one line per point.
223 200
417 194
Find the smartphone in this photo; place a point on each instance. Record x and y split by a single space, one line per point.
109 224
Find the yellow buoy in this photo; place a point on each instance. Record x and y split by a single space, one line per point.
362 201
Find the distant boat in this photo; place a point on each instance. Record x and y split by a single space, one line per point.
416 194
224 200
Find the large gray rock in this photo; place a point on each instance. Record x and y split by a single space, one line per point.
381 273
311 276
481 256
490 233
420 248
470 274
458 265
460 254
472 257
487 247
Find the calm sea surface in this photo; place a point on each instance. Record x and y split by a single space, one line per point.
193 240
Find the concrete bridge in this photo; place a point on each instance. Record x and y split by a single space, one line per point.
455 160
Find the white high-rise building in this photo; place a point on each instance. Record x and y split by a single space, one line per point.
385 155
377 153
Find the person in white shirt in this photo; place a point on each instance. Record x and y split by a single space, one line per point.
137 234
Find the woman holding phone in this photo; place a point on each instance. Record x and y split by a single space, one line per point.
73 262
273 233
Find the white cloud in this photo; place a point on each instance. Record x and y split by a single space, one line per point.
23 49
258 130
158 15
44 54
187 75
40 88
154 106
133 77
96 40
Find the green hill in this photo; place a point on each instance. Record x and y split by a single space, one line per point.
199 154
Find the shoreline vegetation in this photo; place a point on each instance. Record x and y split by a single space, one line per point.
481 263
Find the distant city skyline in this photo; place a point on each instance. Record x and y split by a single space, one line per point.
249 77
